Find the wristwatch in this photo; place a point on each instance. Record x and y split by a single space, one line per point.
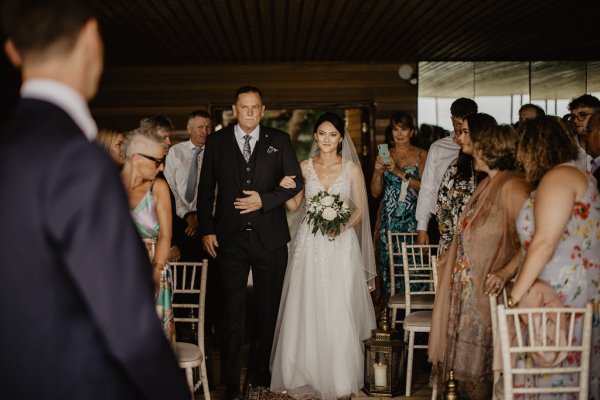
511 303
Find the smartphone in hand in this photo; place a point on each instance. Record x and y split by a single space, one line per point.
384 153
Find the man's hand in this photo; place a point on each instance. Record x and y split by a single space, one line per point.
209 242
248 204
422 237
192 224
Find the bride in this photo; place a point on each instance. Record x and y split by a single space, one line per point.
326 310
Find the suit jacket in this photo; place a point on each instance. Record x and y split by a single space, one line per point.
275 158
76 291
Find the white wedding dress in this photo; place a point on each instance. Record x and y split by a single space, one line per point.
326 310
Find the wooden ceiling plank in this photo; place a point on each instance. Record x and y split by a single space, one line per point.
322 24
294 54
311 25
334 27
195 38
365 34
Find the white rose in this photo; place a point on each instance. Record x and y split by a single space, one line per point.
327 201
329 214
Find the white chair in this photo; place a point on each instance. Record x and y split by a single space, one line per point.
421 269
523 324
398 299
189 279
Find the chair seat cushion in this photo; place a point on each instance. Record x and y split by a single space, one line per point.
418 319
420 301
188 353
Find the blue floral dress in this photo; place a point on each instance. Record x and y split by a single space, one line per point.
574 273
397 216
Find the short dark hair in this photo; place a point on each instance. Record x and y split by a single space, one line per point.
587 100
247 89
462 106
36 25
199 113
539 111
158 122
403 119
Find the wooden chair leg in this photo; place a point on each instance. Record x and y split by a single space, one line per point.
204 379
394 316
434 391
409 364
189 375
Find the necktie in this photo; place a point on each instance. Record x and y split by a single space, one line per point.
247 151
190 190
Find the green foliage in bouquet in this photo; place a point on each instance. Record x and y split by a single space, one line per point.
327 213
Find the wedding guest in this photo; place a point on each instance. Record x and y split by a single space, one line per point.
241 216
150 206
75 292
530 111
182 171
399 180
483 256
112 139
161 124
441 153
460 179
326 311
593 145
581 109
559 227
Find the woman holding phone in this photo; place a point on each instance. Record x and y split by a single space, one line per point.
397 175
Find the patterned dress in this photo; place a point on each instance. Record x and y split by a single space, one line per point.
397 216
146 221
574 273
453 195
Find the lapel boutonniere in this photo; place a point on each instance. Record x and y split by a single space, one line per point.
271 149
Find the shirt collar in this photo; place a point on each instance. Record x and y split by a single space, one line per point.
239 133
65 97
190 145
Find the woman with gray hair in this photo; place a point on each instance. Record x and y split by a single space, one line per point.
150 204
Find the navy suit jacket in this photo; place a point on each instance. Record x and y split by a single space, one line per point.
76 292
275 158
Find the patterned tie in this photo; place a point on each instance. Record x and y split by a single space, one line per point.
190 190
247 151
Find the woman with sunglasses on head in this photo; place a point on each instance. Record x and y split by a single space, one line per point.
150 204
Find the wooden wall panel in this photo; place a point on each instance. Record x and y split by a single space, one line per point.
128 93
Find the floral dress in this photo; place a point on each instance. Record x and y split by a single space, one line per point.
396 216
453 195
574 273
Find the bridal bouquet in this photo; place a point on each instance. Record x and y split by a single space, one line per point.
327 213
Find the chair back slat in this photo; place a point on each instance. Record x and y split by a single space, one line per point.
418 268
395 240
563 340
189 283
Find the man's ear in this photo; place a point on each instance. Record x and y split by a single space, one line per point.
13 54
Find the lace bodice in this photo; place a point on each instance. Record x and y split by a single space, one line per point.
341 185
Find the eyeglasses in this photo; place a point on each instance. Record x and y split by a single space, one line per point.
580 116
158 161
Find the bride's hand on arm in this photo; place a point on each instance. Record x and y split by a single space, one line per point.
288 182
358 193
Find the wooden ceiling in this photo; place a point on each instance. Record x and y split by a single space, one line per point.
176 32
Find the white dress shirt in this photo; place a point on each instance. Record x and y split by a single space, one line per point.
65 97
595 164
441 153
177 169
239 137
584 161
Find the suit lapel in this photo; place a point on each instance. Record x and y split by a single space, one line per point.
264 141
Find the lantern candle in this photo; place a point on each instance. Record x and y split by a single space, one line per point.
380 374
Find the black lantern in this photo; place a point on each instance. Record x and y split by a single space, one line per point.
384 362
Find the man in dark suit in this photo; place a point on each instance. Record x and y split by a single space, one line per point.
593 145
245 164
76 289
